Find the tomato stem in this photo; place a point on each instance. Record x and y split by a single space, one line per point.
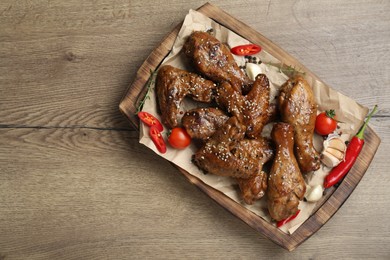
330 113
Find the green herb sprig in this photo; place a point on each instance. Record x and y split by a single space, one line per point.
286 69
149 85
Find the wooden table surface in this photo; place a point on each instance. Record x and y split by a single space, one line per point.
76 184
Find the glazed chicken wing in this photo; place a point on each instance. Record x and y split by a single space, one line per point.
201 123
214 60
173 85
253 188
286 186
253 109
298 108
227 153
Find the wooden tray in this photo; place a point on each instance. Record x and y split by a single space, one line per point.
334 197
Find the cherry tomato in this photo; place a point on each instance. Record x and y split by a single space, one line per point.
150 120
179 138
326 122
247 49
157 139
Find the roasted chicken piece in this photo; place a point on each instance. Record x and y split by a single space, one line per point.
253 109
298 108
254 188
227 153
173 85
286 186
201 123
214 60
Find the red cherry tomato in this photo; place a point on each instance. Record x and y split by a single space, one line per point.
179 138
326 122
247 49
157 139
150 120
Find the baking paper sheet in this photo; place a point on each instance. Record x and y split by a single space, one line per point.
349 113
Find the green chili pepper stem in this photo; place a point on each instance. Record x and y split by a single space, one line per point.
360 134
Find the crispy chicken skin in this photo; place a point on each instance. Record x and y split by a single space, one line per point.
253 109
201 123
286 186
173 85
298 108
227 153
214 60
254 188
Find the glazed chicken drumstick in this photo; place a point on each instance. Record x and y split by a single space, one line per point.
298 108
214 60
286 186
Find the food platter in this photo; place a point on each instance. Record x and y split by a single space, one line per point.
333 198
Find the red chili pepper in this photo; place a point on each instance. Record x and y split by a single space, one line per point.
157 139
353 150
150 120
247 49
284 221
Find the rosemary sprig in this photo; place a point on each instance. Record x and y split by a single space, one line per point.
286 69
149 85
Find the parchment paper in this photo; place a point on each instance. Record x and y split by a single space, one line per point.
348 111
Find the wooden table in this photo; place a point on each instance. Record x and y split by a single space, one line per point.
76 184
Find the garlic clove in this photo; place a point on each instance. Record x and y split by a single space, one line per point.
334 151
329 160
252 70
337 143
314 194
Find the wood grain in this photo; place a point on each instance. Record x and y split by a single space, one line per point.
136 92
123 205
75 183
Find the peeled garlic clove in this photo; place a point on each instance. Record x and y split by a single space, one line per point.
253 70
314 194
337 144
329 160
334 151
